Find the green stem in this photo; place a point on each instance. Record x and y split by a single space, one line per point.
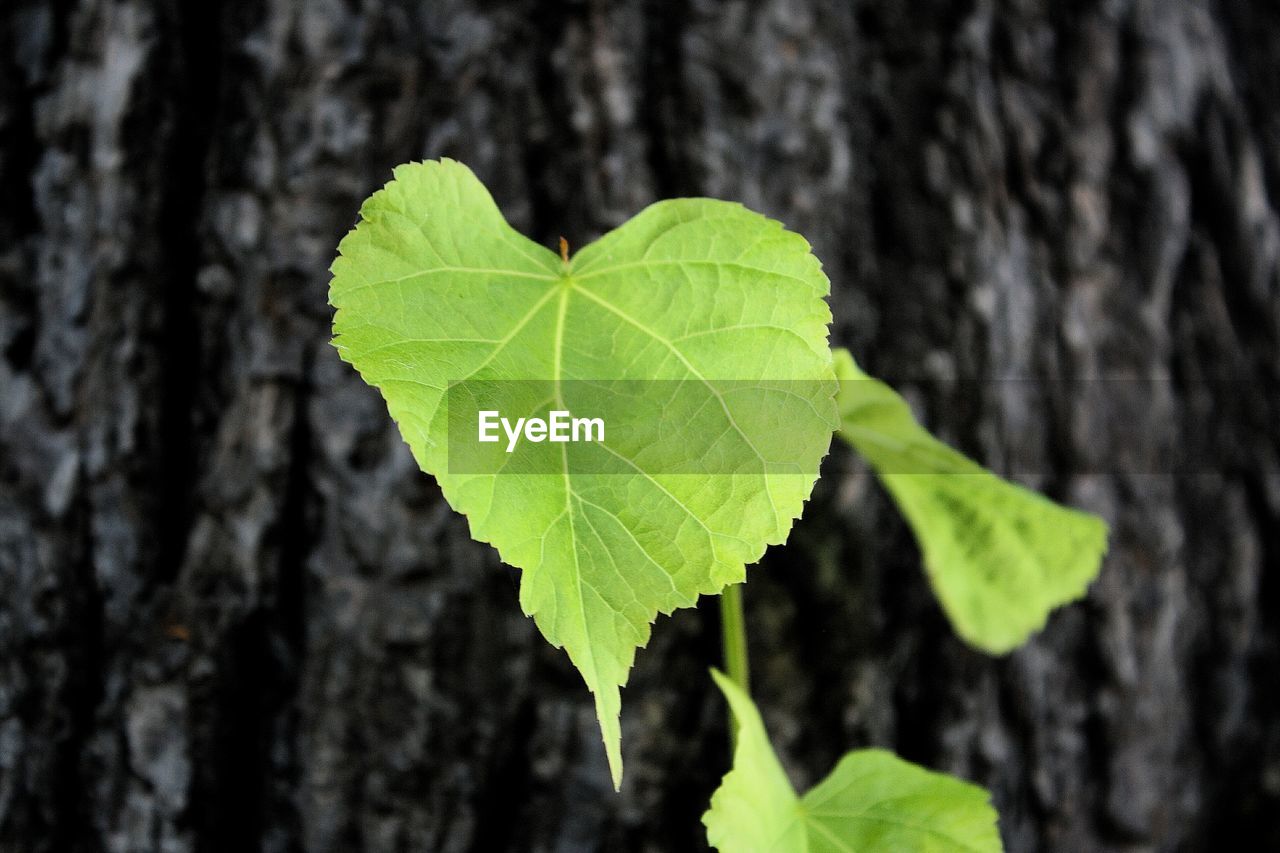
733 627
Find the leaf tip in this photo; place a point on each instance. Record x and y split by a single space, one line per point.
608 700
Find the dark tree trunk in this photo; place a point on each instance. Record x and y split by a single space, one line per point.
235 617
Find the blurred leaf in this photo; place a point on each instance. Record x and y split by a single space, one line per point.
872 801
999 557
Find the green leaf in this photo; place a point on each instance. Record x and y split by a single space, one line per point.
999 557
435 291
872 801
755 807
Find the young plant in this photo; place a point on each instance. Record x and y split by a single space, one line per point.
696 335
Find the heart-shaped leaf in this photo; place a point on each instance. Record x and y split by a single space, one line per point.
697 332
872 802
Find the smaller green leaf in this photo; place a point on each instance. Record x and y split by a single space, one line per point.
999 557
873 801
755 807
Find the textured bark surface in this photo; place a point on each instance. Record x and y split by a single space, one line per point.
234 616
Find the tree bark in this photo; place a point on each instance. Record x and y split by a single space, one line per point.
235 616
